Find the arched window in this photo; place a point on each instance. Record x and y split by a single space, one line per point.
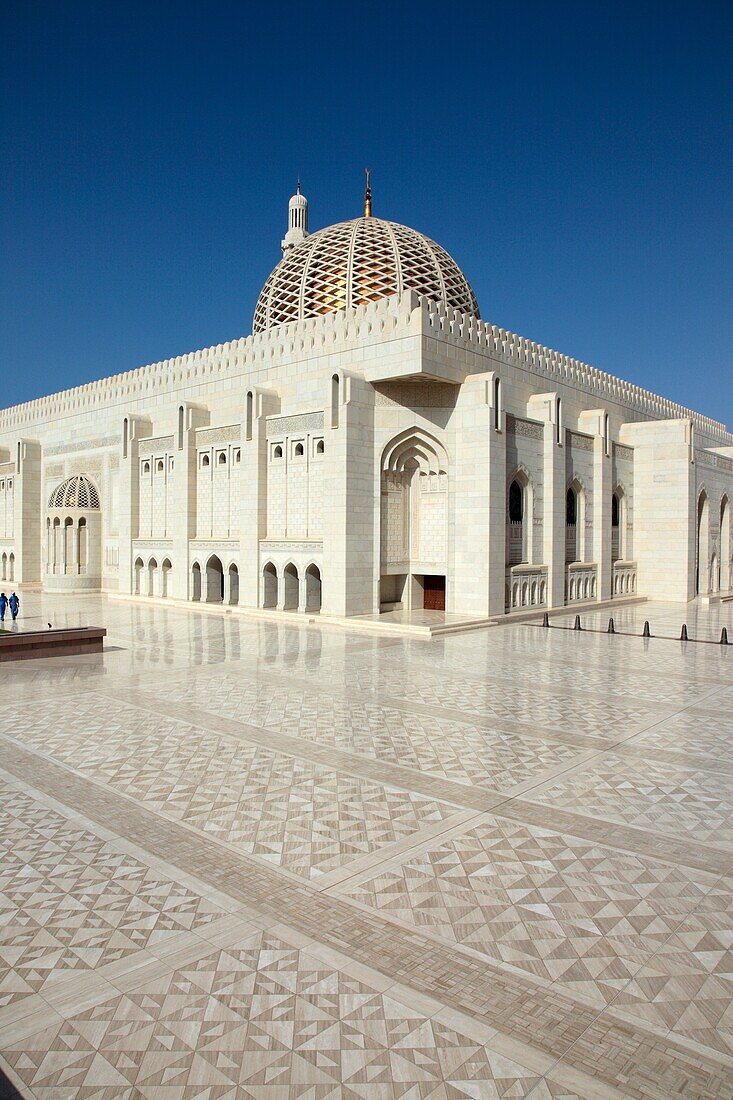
83 545
320 448
249 415
205 460
571 525
571 507
237 455
180 427
516 502
558 421
146 467
615 510
299 450
606 434
335 396
222 459
160 466
497 404
277 452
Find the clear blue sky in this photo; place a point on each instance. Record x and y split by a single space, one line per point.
576 159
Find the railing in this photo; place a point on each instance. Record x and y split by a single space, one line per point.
624 578
580 582
526 586
514 542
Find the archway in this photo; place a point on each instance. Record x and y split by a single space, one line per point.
571 524
196 581
152 570
291 588
269 585
139 566
11 566
165 570
313 588
233 584
414 511
4 564
83 548
703 544
214 580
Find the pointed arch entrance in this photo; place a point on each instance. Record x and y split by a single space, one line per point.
414 522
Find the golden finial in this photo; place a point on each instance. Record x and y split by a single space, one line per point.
368 194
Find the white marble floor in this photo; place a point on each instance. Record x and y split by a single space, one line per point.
272 859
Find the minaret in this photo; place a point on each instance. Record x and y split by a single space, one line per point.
297 222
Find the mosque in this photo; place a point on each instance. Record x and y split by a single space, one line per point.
373 446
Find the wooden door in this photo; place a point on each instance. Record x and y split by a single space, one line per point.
434 593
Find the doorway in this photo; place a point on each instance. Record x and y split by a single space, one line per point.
434 593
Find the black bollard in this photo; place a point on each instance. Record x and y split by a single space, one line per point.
724 636
545 619
683 633
577 623
646 633
611 627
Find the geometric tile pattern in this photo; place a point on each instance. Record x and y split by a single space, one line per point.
668 798
454 750
522 826
292 813
563 909
264 1021
688 985
69 901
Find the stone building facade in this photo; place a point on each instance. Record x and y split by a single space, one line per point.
373 445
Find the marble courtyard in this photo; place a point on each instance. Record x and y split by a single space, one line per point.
263 858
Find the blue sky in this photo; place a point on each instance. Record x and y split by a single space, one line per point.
576 160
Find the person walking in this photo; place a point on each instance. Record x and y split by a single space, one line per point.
14 605
3 606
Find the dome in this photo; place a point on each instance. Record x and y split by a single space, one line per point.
75 492
356 262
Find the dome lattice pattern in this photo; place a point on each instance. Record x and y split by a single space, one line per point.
75 492
356 262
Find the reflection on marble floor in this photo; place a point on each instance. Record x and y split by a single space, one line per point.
546 811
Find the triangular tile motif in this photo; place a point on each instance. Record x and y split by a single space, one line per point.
70 901
287 811
302 1027
564 909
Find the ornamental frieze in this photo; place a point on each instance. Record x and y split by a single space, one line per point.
228 433
300 422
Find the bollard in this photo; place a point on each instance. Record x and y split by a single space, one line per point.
683 633
724 636
646 633
611 627
545 619
577 623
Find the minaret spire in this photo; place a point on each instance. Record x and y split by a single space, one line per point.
368 194
297 221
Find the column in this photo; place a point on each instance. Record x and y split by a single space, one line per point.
134 428
593 423
546 407
259 404
182 493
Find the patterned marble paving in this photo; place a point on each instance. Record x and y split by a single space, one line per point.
292 813
561 908
70 901
261 1020
351 931
667 798
457 750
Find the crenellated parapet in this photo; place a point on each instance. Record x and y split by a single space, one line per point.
390 319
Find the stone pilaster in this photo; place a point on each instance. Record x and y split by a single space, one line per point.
27 512
182 489
593 423
253 491
134 428
545 407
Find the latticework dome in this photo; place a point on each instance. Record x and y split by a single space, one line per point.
356 262
75 492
